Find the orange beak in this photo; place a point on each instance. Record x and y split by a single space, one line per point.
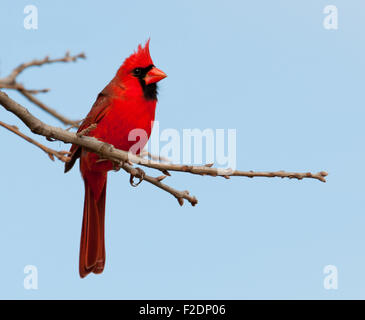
154 75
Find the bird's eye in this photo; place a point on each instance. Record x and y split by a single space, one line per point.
137 71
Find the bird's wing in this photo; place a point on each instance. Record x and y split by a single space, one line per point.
97 112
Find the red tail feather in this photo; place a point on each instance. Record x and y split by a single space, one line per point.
92 246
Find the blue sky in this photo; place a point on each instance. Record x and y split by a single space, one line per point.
292 90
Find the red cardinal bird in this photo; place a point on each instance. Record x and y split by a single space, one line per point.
128 102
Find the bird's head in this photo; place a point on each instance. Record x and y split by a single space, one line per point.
139 71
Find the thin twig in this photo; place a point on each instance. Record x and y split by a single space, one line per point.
19 86
179 195
49 110
60 155
66 58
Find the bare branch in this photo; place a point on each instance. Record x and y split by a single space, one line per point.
226 173
122 158
10 83
107 151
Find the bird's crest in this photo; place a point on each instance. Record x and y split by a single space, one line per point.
138 59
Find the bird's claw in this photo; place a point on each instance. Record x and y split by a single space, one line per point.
140 174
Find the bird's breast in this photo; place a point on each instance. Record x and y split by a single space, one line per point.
127 124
